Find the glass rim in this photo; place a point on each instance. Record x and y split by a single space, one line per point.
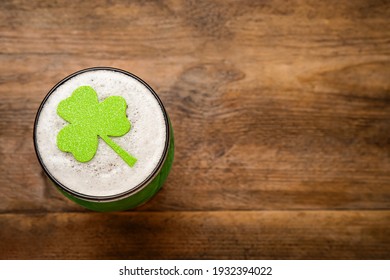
122 195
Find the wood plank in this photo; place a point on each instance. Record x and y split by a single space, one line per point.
197 235
25 188
280 151
165 26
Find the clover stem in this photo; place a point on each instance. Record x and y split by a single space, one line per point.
129 159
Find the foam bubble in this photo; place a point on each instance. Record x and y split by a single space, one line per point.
106 174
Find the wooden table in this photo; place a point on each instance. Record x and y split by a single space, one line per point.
281 112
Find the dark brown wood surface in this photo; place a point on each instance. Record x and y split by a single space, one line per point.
281 112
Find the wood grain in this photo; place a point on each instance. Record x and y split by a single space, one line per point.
276 105
198 235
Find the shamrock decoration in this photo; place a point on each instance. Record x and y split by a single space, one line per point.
89 120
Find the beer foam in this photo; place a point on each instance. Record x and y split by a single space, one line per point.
106 174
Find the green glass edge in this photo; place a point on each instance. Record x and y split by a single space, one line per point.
140 197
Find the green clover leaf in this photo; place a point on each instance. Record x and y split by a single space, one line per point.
89 120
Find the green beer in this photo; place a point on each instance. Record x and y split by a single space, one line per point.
104 139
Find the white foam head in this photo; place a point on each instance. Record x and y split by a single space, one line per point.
106 174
